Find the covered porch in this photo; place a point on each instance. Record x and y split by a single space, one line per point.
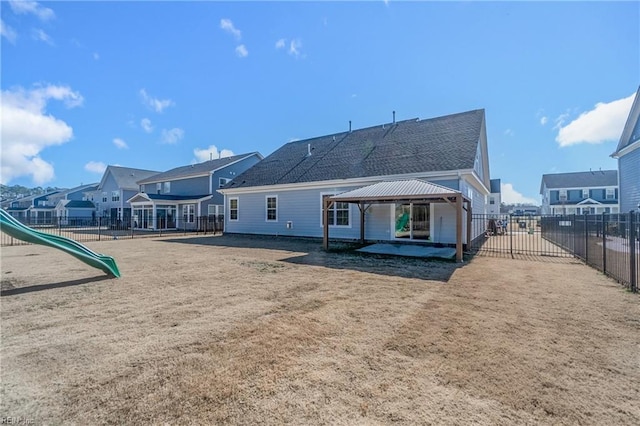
165 212
410 192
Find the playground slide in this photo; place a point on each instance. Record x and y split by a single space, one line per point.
10 226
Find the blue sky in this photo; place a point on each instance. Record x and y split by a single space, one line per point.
157 85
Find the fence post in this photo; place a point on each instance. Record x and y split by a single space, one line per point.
586 238
99 227
604 242
511 235
632 253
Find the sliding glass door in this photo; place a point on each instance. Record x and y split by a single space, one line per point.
412 221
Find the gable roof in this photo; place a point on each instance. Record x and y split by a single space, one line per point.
126 177
194 170
631 132
445 143
580 179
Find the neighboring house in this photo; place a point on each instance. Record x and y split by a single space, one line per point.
118 184
176 198
283 194
34 209
591 192
495 198
628 156
75 204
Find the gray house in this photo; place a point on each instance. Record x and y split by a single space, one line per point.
628 156
591 192
176 198
283 194
75 204
118 184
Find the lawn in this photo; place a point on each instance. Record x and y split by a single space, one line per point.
250 330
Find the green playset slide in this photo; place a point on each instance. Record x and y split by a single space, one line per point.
10 226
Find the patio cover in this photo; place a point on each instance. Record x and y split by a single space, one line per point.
413 190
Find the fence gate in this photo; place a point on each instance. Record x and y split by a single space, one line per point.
609 243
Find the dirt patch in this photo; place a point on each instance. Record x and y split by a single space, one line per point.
270 331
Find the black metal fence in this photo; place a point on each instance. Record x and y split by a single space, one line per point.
511 235
608 242
87 229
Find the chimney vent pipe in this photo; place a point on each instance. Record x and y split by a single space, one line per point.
394 117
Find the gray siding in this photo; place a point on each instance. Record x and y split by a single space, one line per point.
230 172
189 186
303 208
629 170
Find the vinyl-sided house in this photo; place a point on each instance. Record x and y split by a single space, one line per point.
628 156
75 204
118 184
33 209
591 192
430 174
175 198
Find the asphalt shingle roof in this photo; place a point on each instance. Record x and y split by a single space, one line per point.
581 179
127 178
409 146
79 204
194 169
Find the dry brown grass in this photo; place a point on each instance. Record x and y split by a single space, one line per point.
260 331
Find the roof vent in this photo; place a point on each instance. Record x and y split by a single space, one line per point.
308 150
394 117
349 126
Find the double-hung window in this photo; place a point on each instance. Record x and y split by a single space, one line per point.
188 213
272 208
338 214
233 209
115 195
611 193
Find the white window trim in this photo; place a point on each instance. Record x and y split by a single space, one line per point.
220 184
585 191
266 208
322 194
610 194
237 208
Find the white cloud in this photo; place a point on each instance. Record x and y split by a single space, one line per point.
242 51
510 196
544 120
40 35
95 167
145 123
120 144
294 47
8 32
158 105
228 26
172 136
280 44
601 124
26 130
23 7
212 152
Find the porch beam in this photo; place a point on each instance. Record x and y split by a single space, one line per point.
469 217
458 228
326 204
362 211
